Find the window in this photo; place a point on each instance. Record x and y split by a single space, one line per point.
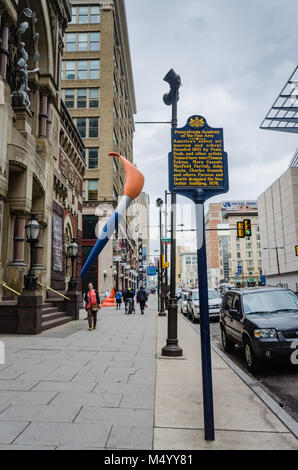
84 190
93 158
70 42
94 42
93 98
82 98
92 190
93 127
83 15
82 69
89 227
94 15
73 15
70 70
94 69
81 125
83 42
70 98
115 169
238 255
115 140
249 254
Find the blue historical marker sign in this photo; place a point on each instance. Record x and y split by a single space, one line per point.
151 270
198 164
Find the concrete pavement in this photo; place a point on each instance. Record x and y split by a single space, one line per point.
69 388
242 420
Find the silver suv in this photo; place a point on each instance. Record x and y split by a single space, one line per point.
214 302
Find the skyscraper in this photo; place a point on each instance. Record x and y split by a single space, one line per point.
99 93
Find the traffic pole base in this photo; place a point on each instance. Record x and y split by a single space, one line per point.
172 349
162 314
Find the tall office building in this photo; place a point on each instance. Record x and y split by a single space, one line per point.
278 215
99 92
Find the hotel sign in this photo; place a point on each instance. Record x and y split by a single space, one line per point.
198 165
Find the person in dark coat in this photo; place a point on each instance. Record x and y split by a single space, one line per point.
93 304
142 298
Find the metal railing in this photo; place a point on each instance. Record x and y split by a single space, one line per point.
53 290
10 289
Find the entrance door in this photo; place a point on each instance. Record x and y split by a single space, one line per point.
92 275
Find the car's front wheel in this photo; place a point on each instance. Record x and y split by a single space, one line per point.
226 342
251 360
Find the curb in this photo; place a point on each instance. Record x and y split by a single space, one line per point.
254 385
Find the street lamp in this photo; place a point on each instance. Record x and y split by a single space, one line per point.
72 253
172 347
162 313
32 232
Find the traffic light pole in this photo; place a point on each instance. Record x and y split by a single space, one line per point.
204 325
172 348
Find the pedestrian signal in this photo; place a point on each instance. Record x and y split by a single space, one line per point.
247 227
240 229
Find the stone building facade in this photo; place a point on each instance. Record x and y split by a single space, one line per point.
41 152
98 90
278 216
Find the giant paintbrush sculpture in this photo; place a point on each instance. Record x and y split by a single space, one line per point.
133 187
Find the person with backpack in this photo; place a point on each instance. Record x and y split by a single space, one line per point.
142 298
118 300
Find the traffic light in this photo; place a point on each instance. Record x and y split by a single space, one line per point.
174 80
247 227
240 229
296 248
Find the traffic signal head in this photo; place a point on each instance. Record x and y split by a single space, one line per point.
240 229
247 227
174 81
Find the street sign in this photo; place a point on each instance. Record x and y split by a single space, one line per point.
198 169
151 270
166 241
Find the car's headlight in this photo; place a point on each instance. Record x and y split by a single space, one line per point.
265 333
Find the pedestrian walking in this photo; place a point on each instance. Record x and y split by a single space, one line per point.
142 298
128 298
93 304
118 300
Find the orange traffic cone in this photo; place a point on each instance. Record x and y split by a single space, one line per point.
110 300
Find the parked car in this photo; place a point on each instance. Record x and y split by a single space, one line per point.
183 304
214 303
263 321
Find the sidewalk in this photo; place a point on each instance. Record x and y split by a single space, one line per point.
69 388
242 420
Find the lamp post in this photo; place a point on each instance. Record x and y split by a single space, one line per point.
32 232
162 313
172 348
72 253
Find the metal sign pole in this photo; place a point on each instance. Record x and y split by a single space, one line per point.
205 325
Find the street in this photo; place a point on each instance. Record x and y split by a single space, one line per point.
279 380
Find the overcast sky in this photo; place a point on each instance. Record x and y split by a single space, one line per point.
234 57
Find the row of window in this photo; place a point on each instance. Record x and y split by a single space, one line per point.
248 254
91 157
82 42
85 15
87 127
90 190
81 98
80 70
